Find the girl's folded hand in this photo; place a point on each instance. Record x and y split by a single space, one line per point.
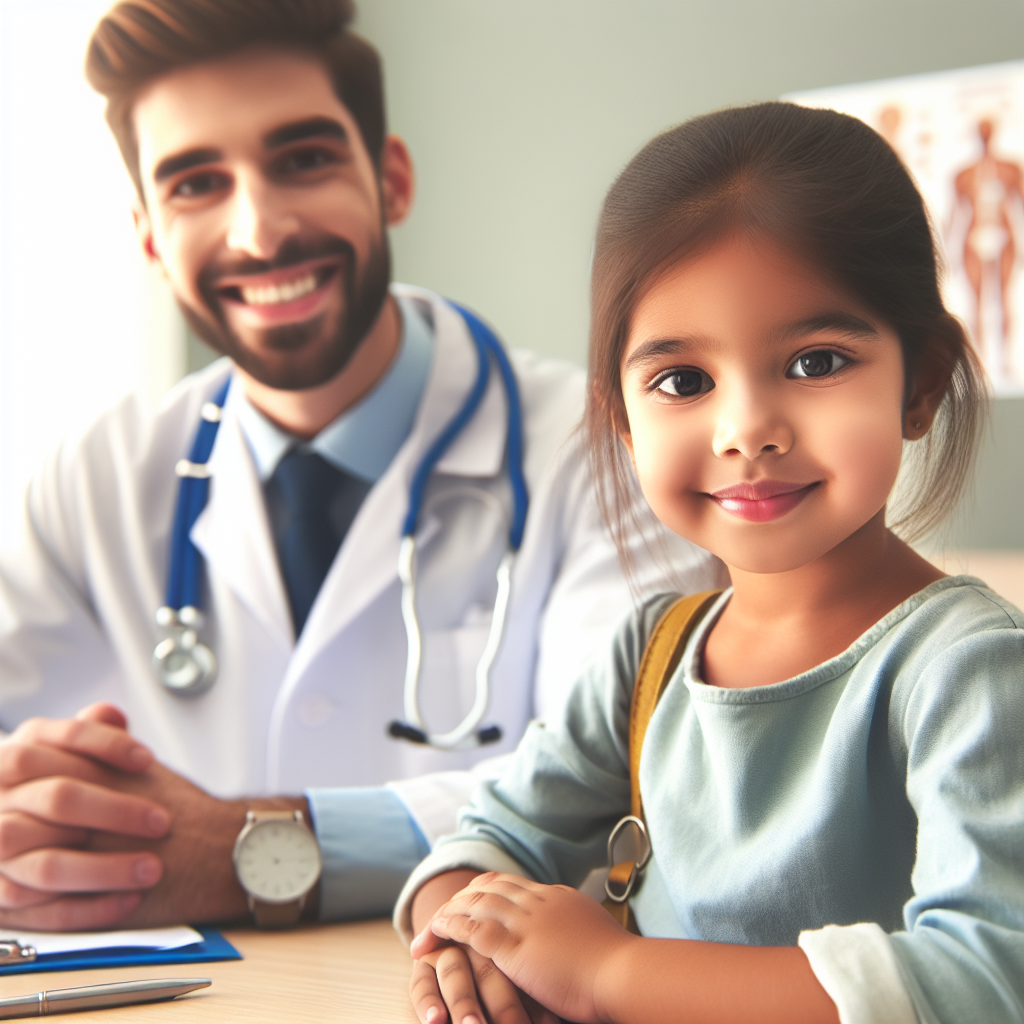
550 941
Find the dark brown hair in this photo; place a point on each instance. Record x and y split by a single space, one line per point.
827 186
139 40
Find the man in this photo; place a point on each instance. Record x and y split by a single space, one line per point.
255 135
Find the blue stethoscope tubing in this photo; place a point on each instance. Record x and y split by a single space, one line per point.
182 663
187 667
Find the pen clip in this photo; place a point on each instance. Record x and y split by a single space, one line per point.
13 952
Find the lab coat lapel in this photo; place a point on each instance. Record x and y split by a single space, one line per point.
367 561
233 533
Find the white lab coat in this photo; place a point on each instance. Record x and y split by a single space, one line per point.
77 600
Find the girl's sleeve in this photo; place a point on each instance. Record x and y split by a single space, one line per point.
961 954
548 817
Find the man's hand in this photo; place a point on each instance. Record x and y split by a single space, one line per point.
53 778
549 941
89 822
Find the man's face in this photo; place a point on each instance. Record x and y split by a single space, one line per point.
265 212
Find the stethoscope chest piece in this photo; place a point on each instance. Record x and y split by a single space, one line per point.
183 664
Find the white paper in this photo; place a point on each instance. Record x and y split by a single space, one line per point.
74 942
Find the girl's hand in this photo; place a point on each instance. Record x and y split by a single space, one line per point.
551 941
456 981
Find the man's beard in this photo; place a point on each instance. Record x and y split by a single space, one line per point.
309 360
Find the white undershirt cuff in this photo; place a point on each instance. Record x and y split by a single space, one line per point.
856 965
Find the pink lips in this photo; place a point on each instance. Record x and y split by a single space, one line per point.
764 500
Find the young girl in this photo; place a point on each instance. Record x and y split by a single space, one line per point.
833 780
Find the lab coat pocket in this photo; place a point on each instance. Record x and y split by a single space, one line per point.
448 680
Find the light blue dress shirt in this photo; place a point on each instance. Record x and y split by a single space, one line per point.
367 837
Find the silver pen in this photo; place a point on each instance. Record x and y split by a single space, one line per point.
98 997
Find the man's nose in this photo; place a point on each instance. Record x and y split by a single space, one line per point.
259 220
751 423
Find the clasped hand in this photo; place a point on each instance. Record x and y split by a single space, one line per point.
86 831
503 937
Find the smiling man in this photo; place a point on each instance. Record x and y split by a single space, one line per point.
140 792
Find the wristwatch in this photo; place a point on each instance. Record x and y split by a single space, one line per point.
277 861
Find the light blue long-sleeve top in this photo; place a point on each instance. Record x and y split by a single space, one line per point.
885 786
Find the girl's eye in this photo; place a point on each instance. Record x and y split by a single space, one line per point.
685 383
821 363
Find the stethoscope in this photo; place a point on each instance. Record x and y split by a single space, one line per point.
187 667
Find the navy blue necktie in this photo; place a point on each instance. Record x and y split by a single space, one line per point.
311 505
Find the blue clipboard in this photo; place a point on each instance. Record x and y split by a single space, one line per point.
213 947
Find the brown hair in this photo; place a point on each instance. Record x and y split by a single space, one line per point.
817 181
139 40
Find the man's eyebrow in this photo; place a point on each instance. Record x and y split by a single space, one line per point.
311 128
656 348
171 165
836 321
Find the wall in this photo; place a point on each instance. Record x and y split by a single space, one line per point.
81 319
519 114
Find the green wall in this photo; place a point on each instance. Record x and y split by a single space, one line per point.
519 113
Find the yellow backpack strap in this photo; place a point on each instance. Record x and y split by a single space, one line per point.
660 659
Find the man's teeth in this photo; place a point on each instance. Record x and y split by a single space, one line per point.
272 294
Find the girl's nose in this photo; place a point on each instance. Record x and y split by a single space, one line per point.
750 426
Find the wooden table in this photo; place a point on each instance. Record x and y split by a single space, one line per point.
343 972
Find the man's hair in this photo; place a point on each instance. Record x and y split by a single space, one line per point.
139 40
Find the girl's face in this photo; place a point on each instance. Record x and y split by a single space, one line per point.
764 406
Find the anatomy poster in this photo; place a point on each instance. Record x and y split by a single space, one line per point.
961 134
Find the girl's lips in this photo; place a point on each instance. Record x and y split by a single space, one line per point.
763 501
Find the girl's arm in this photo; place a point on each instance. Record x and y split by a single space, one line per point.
564 950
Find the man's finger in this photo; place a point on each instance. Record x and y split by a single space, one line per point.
55 870
426 995
14 896
20 833
77 804
107 743
23 762
73 913
105 712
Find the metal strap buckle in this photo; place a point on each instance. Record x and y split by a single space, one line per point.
624 876
13 952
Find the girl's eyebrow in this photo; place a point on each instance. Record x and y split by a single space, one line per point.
836 321
658 347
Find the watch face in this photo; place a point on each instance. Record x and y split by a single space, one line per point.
277 861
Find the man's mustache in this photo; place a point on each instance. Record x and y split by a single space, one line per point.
292 252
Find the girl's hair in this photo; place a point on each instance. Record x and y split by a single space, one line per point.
823 184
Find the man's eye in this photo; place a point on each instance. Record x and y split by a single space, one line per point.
684 383
820 363
306 160
200 184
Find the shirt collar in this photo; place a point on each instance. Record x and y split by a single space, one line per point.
364 439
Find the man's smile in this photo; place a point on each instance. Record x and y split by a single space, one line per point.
287 295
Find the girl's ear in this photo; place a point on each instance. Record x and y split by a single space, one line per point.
931 381
627 439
